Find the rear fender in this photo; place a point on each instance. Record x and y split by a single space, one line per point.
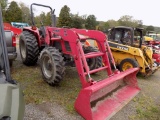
35 32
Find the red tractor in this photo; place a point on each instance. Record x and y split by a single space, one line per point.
57 47
155 45
156 51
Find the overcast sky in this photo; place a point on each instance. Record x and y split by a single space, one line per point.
146 10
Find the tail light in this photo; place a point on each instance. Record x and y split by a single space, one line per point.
14 40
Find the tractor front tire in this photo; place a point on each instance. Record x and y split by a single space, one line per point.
95 62
127 64
52 65
28 47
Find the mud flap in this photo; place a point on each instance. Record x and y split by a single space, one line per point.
105 98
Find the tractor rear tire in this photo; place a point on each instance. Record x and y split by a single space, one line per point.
29 50
52 65
128 63
95 62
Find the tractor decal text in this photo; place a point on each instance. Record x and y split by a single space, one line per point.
123 48
118 46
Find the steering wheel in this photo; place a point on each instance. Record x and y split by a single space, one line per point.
126 41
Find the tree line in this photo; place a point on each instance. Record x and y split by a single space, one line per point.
20 12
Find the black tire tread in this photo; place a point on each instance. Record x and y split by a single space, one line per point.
32 48
59 65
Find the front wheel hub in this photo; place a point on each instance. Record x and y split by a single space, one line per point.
47 66
127 65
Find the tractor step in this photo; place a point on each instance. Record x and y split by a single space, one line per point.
96 70
56 38
93 54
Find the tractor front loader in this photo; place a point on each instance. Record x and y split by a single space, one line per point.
128 51
98 99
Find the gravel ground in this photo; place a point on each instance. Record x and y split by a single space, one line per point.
48 111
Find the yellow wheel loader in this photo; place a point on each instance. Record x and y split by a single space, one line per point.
128 51
146 38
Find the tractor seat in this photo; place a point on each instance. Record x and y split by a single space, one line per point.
118 36
42 31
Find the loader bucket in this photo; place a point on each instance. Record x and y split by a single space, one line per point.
103 99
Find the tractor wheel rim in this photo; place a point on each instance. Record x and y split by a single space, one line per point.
47 66
126 66
23 49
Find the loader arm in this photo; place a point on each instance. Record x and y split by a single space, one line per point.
92 90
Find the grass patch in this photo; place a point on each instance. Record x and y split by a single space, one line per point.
37 91
146 109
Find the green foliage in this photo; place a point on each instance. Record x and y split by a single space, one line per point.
157 29
100 26
144 31
91 22
110 24
48 19
39 20
25 13
146 108
150 28
64 17
43 19
3 3
13 13
76 21
140 23
107 25
127 20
